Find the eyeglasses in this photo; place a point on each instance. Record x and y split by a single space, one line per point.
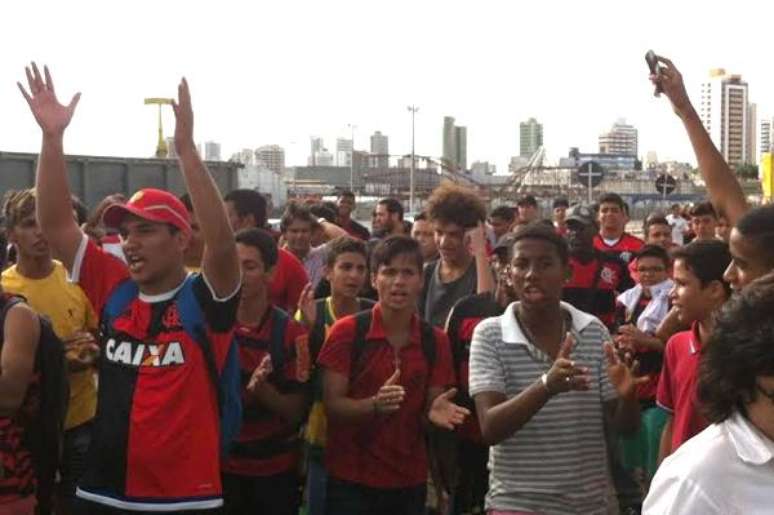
650 269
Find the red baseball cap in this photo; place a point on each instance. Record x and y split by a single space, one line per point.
150 204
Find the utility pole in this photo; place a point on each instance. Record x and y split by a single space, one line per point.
413 110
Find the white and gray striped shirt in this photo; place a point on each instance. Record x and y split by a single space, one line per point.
557 462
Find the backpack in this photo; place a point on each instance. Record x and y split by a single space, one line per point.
44 432
227 383
317 331
363 324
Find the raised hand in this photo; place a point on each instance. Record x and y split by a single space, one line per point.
306 303
670 81
477 239
444 413
184 118
260 374
390 396
623 373
52 117
564 375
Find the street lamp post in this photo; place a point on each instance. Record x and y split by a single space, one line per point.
352 159
413 110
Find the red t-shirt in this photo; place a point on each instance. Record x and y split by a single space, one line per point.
385 451
156 436
288 281
677 385
267 445
625 248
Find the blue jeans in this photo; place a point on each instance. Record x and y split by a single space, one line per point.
316 486
345 498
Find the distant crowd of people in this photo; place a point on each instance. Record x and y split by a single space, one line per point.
180 355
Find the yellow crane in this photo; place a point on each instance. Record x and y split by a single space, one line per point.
161 147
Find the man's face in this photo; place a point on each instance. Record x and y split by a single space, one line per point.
398 283
661 235
153 251
348 274
559 213
722 229
651 270
255 277
501 266
28 238
499 225
612 218
528 212
298 236
748 261
688 296
537 272
450 240
346 205
580 237
703 226
422 231
384 220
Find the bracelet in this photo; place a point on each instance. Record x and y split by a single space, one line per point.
544 380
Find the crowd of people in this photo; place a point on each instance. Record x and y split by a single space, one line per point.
165 354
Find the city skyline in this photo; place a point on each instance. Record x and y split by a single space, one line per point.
500 76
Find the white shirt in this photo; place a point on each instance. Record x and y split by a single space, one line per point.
679 226
726 469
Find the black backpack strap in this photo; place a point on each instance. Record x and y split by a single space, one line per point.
362 325
279 325
317 331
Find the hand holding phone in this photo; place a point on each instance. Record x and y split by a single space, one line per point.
652 60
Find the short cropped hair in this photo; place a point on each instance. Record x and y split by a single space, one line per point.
738 352
561 202
261 240
653 219
613 198
248 202
541 231
393 206
707 260
702 209
343 245
655 251
450 203
295 211
393 246
757 225
504 212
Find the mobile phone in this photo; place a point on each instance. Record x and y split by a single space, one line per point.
650 58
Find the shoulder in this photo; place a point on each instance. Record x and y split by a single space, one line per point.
677 342
632 239
10 273
285 257
488 330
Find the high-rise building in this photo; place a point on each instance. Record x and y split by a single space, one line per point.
455 145
752 130
272 157
344 149
317 146
621 139
530 137
380 150
765 133
725 114
211 151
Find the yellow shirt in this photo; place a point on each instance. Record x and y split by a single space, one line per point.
65 304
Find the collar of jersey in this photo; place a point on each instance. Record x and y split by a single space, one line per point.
162 297
377 332
512 333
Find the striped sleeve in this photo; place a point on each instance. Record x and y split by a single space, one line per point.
487 373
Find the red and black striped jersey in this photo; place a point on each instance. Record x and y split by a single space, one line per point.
267 444
625 248
595 285
155 442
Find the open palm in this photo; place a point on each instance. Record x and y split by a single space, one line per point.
622 376
52 116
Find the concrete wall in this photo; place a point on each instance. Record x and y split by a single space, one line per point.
92 178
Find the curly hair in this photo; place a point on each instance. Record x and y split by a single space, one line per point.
450 203
739 350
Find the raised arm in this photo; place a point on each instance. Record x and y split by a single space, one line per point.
219 263
724 189
54 205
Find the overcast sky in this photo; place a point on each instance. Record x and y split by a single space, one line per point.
282 71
